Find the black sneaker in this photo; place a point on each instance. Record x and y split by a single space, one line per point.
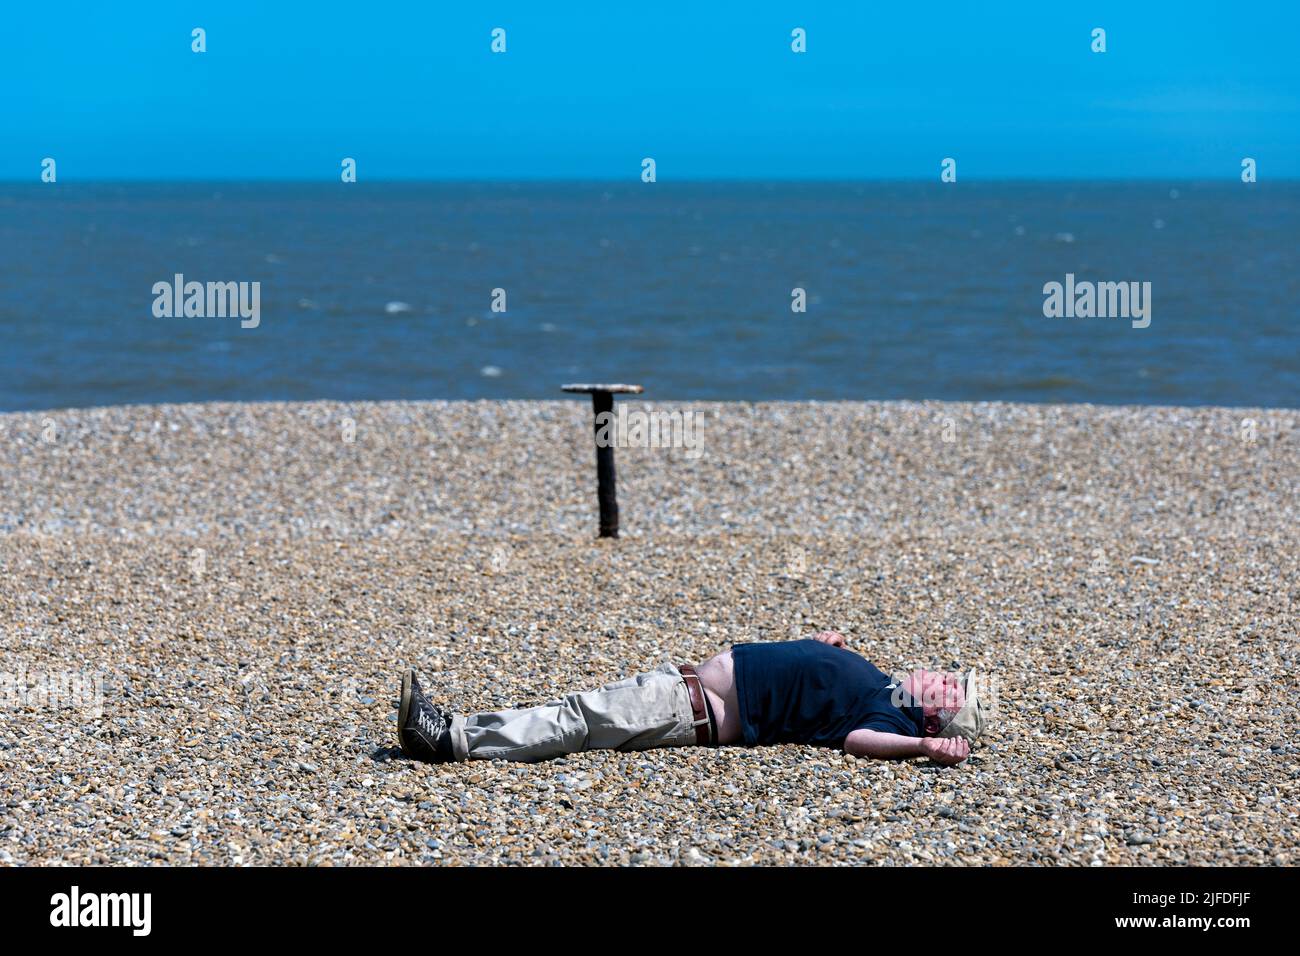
423 729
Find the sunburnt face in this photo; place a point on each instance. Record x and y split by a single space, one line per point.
939 693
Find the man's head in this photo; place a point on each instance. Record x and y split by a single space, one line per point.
950 705
938 694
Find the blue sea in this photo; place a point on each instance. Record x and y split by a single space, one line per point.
913 290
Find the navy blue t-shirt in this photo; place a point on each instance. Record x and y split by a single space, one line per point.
807 692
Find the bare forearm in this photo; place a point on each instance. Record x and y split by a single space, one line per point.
882 746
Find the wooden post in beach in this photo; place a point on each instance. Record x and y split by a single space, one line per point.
602 400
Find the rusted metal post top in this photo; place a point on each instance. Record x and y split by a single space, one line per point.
612 389
602 401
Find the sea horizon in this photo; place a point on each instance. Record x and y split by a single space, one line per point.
330 178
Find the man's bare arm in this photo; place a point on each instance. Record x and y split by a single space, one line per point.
882 746
885 746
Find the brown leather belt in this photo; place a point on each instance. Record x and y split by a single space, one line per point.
705 732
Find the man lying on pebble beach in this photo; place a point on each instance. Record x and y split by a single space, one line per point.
812 691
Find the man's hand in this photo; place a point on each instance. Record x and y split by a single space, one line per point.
945 750
833 638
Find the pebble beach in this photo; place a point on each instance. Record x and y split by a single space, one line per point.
242 585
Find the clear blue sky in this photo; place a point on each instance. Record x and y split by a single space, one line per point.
709 89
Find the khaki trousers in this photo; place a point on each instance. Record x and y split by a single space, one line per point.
645 711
